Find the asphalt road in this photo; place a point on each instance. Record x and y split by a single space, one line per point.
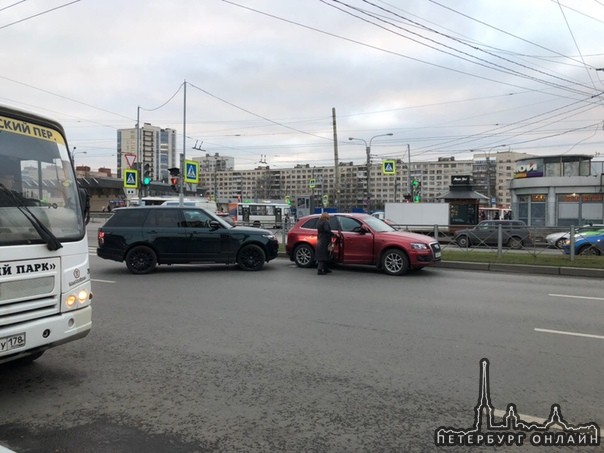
210 358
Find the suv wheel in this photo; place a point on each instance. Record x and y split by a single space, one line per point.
395 262
141 260
304 256
251 257
515 242
463 241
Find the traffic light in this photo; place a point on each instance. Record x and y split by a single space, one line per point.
174 177
416 191
146 175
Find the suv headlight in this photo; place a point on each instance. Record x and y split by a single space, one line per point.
418 246
269 236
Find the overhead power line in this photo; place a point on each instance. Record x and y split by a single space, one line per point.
39 14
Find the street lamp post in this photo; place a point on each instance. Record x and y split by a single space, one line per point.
487 154
368 151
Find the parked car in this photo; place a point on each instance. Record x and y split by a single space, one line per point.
590 243
515 234
144 237
559 239
364 239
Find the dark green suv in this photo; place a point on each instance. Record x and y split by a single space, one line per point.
144 237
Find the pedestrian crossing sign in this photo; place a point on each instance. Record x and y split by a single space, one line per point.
192 171
131 179
389 167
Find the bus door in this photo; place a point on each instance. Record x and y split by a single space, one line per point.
245 213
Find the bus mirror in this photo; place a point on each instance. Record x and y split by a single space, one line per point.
84 203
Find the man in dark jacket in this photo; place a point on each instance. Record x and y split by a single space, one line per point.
324 236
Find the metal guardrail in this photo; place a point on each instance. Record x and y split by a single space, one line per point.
537 245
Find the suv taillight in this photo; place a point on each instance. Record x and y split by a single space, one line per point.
101 237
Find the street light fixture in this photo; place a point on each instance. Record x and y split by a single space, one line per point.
368 150
73 154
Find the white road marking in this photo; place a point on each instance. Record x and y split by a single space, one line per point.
575 334
101 281
576 297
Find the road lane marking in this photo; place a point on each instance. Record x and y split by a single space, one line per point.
576 297
575 334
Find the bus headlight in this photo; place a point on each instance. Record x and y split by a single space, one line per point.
80 298
70 301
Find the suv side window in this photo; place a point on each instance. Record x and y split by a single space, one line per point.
311 224
349 224
334 223
485 225
127 218
163 218
196 219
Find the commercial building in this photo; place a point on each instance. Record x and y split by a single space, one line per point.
560 190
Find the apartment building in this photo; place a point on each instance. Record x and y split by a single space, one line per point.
157 151
219 180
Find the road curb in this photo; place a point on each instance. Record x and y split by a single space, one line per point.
516 268
525 269
582 272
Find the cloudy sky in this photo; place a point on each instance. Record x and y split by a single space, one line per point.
263 77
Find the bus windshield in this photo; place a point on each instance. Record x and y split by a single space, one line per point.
37 185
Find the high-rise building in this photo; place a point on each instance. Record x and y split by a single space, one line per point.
157 151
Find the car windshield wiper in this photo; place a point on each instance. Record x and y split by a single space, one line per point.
52 243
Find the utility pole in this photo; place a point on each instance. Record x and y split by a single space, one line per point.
409 168
335 159
184 147
139 156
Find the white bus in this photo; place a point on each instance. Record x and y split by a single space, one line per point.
45 291
265 215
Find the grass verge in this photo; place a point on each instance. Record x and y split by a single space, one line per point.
528 258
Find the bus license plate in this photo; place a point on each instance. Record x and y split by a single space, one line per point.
12 342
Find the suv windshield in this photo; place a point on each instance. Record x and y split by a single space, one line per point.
36 179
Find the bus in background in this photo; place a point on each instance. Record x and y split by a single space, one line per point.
265 215
45 291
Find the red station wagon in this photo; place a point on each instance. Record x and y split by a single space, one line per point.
364 239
